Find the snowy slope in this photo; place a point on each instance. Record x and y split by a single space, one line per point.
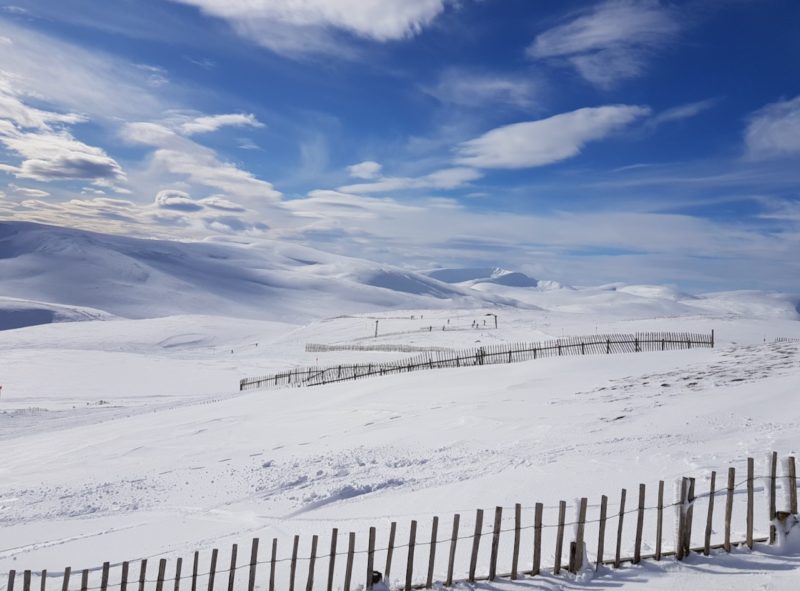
134 441
138 278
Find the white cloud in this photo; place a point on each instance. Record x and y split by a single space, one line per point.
209 123
27 191
611 41
49 153
307 26
478 89
448 178
365 170
537 143
54 156
685 111
774 130
177 200
177 155
71 78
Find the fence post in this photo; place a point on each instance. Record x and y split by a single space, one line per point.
332 558
273 559
619 528
476 540
162 570
709 521
537 539
729 508
64 585
412 540
579 546
178 565
212 573
432 556
679 547
370 557
750 503
498 519
195 567
251 583
312 563
562 511
601 537
517 528
12 574
85 579
659 519
26 580
293 565
103 577
792 485
142 573
348 572
123 582
232 570
689 517
773 473
637 552
43 580
452 559
389 552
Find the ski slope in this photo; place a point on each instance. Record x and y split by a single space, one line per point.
125 437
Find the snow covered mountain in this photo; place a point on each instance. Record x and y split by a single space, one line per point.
52 274
138 278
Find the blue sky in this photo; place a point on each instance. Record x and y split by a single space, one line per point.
588 142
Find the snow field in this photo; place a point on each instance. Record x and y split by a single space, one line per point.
178 461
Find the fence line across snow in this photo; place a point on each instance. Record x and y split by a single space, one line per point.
456 554
486 355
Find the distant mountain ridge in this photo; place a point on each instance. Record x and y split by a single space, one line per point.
474 275
141 278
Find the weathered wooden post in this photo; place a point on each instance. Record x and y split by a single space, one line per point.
412 540
617 555
389 552
601 537
537 539
637 551
562 511
432 555
332 559
709 520
476 541
750 503
452 558
498 519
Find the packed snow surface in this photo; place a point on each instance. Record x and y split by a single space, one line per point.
127 438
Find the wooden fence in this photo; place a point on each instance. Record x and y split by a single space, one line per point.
393 348
492 354
457 554
787 340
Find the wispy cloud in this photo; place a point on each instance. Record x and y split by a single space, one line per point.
299 28
210 123
680 112
447 178
470 88
774 130
611 41
537 143
365 170
49 152
179 156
